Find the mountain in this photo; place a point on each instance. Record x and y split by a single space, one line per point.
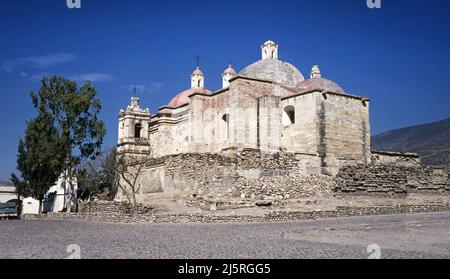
431 141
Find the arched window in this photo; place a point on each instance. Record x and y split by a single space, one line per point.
137 130
288 116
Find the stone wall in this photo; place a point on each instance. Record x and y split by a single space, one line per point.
401 159
170 132
256 175
263 191
190 171
107 207
301 136
344 128
392 178
280 216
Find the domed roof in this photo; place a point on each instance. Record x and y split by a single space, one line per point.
230 71
183 98
197 72
269 42
319 83
274 70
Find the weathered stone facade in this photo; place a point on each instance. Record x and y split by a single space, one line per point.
268 106
263 191
261 137
219 171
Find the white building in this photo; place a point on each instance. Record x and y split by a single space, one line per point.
30 206
7 192
55 199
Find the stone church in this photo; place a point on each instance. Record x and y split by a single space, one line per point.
267 111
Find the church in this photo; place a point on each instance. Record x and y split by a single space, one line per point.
268 107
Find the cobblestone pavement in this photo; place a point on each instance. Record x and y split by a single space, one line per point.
398 236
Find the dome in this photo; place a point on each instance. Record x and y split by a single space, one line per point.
317 82
183 98
274 70
269 42
197 72
230 71
320 83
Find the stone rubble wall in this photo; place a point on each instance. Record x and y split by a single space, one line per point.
241 178
192 171
253 159
264 191
400 159
108 207
280 216
284 187
392 178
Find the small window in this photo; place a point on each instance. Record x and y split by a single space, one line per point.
137 130
225 127
288 116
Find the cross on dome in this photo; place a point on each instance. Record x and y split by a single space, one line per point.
198 58
197 76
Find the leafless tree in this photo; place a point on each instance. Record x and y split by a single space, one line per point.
129 170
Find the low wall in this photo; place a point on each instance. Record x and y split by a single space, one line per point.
279 216
400 159
189 172
112 207
392 178
264 190
251 174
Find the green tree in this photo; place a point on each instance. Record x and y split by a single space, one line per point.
39 158
98 176
74 111
88 178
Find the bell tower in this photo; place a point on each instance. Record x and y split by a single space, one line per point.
197 77
228 74
269 50
134 124
315 72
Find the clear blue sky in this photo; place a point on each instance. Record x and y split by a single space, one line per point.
397 55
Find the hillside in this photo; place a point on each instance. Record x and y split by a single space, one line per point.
431 141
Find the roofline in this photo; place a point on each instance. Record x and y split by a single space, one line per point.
361 98
167 107
391 153
292 89
220 91
252 79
